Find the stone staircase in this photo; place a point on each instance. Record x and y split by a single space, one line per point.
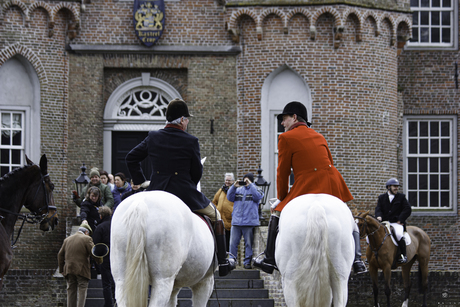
241 288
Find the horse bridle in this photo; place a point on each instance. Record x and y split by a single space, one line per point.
387 234
36 217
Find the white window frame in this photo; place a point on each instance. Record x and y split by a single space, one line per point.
436 46
432 211
25 137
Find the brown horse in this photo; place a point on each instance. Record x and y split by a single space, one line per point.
382 252
29 186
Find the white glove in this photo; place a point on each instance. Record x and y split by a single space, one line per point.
273 203
146 184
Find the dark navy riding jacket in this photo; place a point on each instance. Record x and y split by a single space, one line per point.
176 165
398 210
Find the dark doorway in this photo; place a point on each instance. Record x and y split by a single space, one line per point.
122 143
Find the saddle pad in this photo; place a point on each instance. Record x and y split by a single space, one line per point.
406 236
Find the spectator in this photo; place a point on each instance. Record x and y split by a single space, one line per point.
106 194
105 180
90 207
102 235
245 216
225 206
73 260
121 187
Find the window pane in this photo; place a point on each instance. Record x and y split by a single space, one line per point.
5 138
413 147
434 182
423 182
425 18
412 198
423 128
412 165
446 3
414 2
423 201
6 120
16 156
17 138
435 35
444 182
434 128
445 165
445 17
445 129
434 199
425 3
4 170
434 165
423 146
445 199
423 165
424 35
435 3
446 35
412 182
435 18
5 156
415 18
434 146
445 146
413 129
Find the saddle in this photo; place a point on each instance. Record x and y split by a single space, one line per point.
393 236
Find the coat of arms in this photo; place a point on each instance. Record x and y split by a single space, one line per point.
149 20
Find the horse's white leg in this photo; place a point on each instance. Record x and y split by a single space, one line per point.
173 297
405 303
339 291
202 291
160 295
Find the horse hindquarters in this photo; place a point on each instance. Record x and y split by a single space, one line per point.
6 254
303 257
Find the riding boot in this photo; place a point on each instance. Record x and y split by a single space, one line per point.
402 247
268 263
225 265
358 265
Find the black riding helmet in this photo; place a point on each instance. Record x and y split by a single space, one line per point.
392 181
176 109
297 108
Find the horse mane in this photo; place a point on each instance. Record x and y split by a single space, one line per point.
12 173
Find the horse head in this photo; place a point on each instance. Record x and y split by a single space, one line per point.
39 198
367 224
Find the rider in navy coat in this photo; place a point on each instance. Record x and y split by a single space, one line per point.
176 168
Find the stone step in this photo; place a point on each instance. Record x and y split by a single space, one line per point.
231 303
229 293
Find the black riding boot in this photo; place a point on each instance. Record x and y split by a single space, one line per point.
268 264
358 266
402 247
225 265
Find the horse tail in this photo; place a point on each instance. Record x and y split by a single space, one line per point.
137 277
314 286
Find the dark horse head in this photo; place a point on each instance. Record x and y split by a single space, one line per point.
39 196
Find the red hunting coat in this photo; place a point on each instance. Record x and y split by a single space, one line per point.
306 152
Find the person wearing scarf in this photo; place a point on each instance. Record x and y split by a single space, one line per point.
174 156
306 152
225 206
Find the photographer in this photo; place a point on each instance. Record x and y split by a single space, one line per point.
245 197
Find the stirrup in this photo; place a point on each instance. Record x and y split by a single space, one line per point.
226 268
402 260
263 265
359 267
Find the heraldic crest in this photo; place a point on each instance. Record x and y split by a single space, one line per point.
149 20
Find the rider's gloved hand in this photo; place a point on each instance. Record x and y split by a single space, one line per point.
273 203
379 218
145 184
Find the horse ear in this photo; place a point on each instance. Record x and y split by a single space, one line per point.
355 212
44 165
364 214
28 161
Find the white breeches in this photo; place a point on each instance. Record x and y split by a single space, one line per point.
399 230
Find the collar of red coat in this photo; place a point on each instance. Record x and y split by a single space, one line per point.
174 126
297 125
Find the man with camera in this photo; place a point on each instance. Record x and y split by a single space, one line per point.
245 197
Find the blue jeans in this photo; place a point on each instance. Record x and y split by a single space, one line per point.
235 236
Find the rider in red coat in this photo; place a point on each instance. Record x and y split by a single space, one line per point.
305 151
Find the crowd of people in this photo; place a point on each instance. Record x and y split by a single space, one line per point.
234 211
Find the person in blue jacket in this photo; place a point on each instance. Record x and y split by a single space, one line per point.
245 216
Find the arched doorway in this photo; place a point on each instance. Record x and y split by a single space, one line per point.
134 108
281 86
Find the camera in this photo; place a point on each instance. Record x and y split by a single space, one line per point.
242 182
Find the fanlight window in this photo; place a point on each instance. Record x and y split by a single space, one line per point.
142 103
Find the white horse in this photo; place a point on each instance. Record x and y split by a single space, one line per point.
315 251
156 240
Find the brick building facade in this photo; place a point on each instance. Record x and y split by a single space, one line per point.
237 63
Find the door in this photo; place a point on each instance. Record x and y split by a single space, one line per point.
122 143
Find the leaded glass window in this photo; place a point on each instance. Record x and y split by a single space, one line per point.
143 103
